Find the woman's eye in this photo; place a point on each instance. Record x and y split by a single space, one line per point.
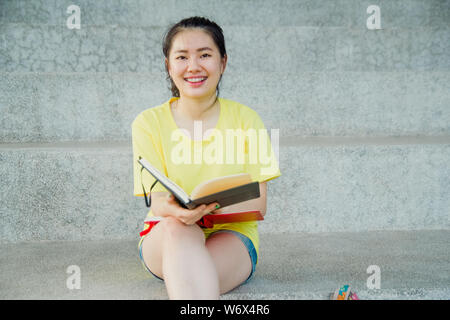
203 55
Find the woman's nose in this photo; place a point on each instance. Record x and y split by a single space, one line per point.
193 64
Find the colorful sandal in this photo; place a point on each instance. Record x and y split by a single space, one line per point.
344 293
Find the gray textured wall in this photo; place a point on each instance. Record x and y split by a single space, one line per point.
364 115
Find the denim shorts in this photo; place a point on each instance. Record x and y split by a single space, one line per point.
247 242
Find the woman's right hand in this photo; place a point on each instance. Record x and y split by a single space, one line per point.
168 206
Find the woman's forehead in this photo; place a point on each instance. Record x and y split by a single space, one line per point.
193 40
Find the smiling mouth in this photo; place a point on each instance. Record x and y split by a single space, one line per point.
196 80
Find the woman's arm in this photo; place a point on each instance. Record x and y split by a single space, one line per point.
250 205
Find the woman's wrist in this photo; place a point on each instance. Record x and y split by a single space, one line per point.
168 207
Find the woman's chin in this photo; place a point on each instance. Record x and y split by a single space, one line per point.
196 93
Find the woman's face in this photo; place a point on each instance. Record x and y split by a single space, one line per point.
195 64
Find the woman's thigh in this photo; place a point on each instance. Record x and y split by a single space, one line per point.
231 258
169 229
151 250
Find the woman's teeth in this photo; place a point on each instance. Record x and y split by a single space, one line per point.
195 79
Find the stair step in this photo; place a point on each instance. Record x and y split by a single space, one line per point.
394 14
413 265
86 193
113 48
46 107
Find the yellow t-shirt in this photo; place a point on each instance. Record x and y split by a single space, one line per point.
230 148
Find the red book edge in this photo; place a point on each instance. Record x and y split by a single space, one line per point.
209 220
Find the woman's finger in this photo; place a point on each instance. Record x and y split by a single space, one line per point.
201 208
211 207
190 216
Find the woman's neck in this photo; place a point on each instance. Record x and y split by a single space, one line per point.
195 109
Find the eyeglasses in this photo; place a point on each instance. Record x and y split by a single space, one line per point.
148 201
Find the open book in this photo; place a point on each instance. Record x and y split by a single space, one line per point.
225 190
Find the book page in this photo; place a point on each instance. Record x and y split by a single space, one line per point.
220 184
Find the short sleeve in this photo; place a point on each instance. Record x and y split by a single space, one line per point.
261 158
147 145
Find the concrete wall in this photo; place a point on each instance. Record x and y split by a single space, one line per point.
364 115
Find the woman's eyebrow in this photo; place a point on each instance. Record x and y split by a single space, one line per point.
198 50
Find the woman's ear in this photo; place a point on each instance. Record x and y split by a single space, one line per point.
224 62
166 61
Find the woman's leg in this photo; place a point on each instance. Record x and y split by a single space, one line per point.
231 258
177 253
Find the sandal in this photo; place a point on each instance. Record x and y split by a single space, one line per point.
344 293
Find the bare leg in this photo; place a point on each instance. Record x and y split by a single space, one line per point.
233 263
177 253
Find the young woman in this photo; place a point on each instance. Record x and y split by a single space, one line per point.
195 262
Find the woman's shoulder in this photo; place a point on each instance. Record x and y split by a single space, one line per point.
243 116
239 108
155 113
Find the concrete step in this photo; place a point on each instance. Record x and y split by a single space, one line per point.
334 13
114 48
53 107
85 192
64 193
413 265
360 187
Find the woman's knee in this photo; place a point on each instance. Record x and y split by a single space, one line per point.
175 230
